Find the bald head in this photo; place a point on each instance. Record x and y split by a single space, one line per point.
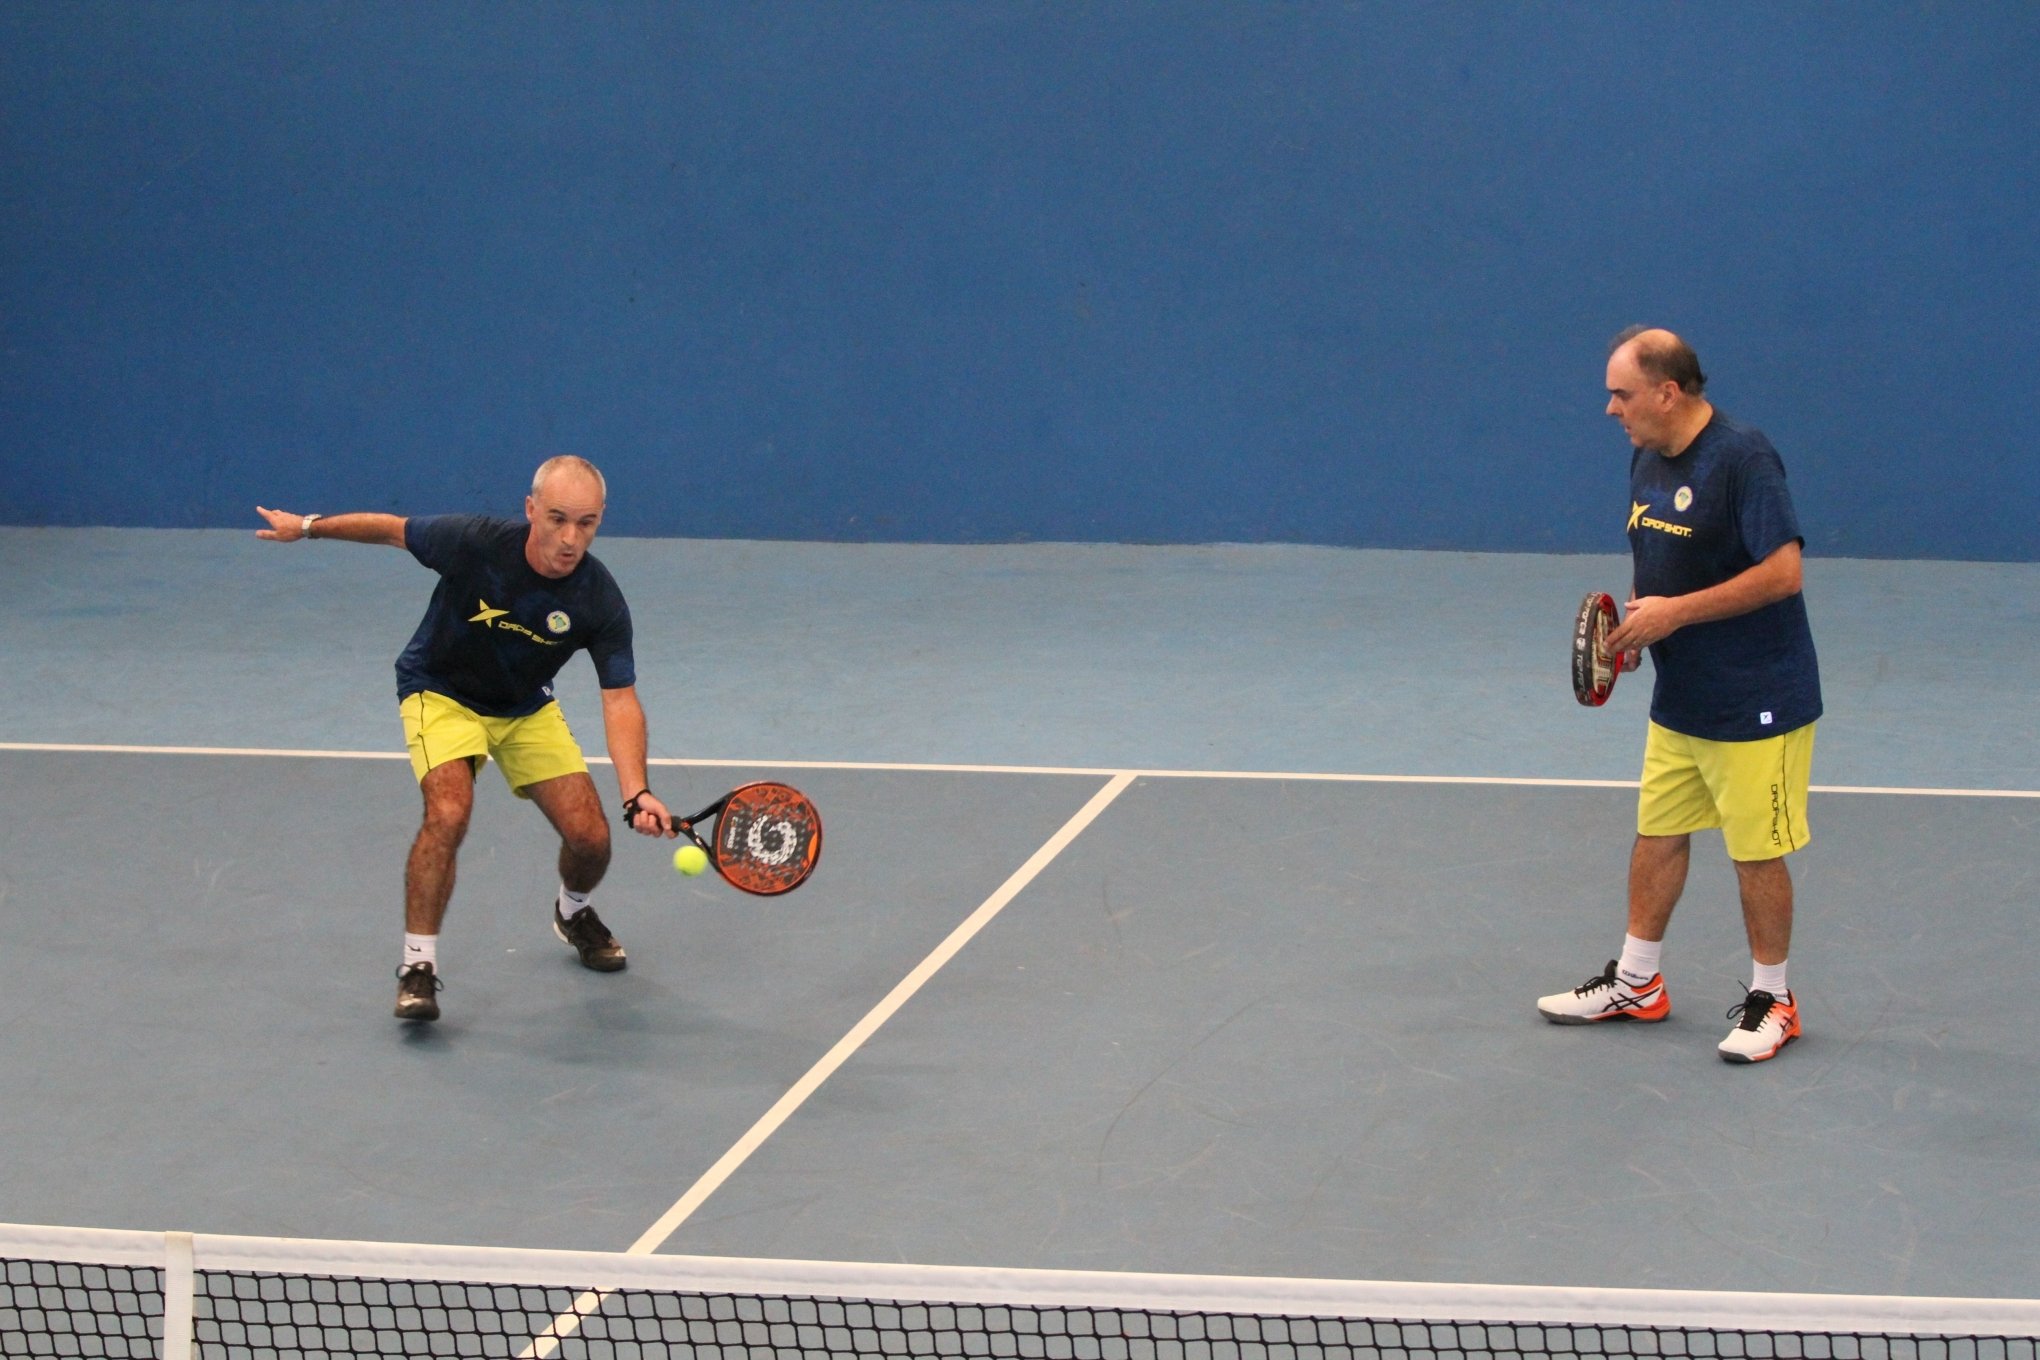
565 509
568 463
1662 357
1654 387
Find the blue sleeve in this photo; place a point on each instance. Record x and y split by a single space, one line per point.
1764 517
615 666
435 540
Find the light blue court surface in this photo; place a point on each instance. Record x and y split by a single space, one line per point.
1137 1012
1221 658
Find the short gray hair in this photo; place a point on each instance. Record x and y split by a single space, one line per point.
563 462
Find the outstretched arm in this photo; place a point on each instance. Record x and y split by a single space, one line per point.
362 527
623 727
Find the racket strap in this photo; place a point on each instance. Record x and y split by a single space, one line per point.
631 808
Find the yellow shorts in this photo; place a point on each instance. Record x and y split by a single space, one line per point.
530 749
1755 791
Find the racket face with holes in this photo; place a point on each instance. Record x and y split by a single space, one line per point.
768 838
1594 668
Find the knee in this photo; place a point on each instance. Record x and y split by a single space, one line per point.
446 818
588 840
1763 871
446 826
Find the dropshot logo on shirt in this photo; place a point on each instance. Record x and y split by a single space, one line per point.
500 618
1637 517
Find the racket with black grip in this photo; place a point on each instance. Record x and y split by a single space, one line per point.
1594 667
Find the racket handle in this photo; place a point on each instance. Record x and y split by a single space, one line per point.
685 825
712 810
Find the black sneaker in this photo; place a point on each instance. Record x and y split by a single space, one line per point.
590 938
416 983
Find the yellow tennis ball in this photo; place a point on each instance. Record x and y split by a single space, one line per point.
690 860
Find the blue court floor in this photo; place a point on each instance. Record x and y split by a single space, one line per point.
1183 910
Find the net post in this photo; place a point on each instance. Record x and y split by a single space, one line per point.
179 1284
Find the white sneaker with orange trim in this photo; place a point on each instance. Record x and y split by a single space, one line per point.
1607 997
1764 1024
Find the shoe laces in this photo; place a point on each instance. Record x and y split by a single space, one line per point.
1595 984
584 927
1752 1010
410 973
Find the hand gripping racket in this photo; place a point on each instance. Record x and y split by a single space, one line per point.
767 837
1594 667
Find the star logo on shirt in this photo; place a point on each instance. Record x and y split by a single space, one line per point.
1636 509
487 618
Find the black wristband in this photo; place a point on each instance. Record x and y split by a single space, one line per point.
631 808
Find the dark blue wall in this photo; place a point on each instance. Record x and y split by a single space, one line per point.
993 271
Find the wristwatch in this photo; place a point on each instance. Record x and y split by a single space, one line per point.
305 529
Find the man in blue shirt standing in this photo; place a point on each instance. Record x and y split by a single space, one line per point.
1716 598
514 602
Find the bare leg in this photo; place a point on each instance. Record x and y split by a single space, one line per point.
1767 907
449 792
1657 875
571 804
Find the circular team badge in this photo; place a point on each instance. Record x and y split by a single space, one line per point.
1683 500
558 622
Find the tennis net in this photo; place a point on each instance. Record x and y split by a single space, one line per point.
94 1293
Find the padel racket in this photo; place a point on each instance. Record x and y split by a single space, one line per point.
1594 667
766 840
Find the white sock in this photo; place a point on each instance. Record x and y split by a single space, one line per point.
571 902
1769 977
421 949
1639 963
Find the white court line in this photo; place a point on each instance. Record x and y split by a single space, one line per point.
656 1235
768 1123
912 767
85 748
564 1326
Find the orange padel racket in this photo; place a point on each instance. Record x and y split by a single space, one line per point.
1594 667
767 837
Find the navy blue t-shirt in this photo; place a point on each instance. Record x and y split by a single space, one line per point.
496 632
1696 520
